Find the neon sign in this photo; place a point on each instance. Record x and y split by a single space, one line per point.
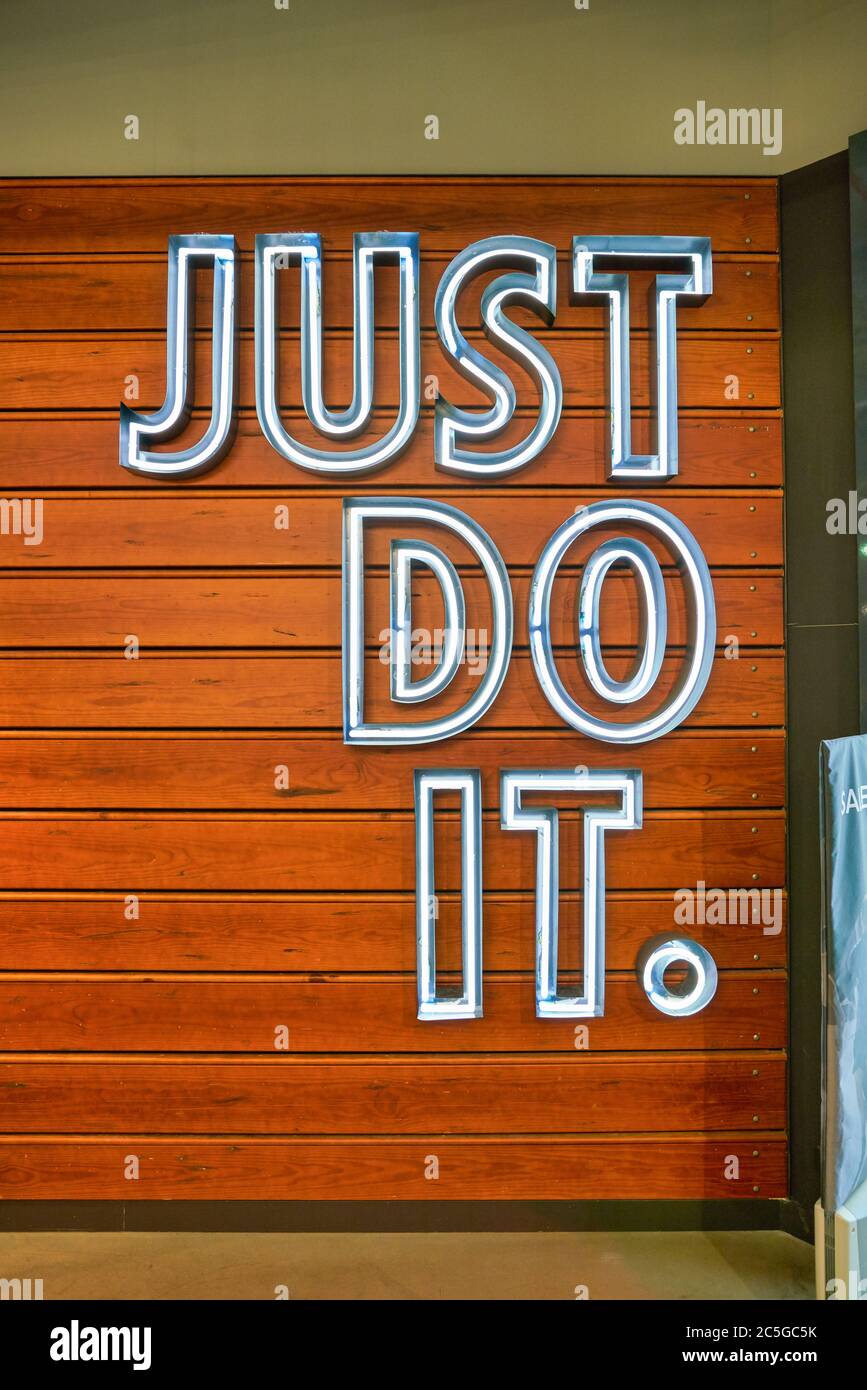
465 443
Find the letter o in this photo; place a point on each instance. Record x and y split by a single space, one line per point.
698 987
653 630
693 568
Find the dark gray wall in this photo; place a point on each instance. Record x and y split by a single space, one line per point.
821 589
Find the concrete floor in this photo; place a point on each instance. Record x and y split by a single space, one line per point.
439 1265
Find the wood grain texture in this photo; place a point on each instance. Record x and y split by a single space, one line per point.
240 772
736 449
344 931
111 293
47 215
180 529
550 1168
425 1095
350 853
86 372
148 1028
243 1013
304 610
304 692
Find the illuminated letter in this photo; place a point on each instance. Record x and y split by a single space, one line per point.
696 282
403 555
653 620
306 249
431 1006
357 511
545 821
174 413
534 283
698 986
701 618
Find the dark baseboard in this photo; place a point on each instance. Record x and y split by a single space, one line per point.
796 1220
735 1215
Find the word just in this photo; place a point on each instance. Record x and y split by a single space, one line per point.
600 271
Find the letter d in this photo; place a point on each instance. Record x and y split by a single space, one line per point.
357 511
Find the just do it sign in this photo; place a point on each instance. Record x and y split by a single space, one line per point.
467 443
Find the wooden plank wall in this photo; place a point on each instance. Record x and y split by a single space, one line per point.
261 907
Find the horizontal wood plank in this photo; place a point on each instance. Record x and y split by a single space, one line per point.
87 372
110 294
280 529
61 215
738 449
363 1014
304 611
241 773
377 852
579 1094
304 692
688 1167
348 931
